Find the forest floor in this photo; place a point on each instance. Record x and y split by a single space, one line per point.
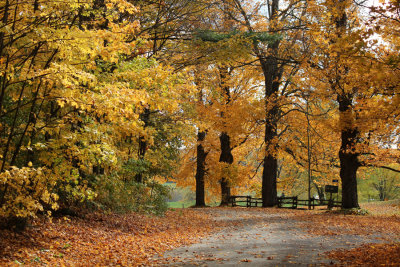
209 237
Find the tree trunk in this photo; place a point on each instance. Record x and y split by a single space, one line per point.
145 117
272 71
226 157
348 156
273 74
348 173
225 192
268 191
200 170
320 192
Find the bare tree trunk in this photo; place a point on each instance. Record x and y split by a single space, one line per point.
348 171
200 170
348 156
272 73
226 157
268 191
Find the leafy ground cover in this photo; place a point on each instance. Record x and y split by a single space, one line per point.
134 239
369 255
384 219
100 239
383 208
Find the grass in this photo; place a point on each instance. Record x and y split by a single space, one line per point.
181 204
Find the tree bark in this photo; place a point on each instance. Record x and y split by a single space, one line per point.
200 170
349 162
226 157
272 74
145 117
349 165
348 156
268 191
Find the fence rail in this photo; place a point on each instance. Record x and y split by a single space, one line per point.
247 200
294 202
283 202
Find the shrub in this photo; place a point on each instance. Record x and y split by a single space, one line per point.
24 192
116 195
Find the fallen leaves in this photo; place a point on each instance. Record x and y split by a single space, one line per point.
134 239
334 224
99 239
369 255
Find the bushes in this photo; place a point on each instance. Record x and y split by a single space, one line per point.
113 194
24 192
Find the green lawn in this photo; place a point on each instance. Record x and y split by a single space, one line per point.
181 204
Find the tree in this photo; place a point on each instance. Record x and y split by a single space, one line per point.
41 82
344 64
218 54
72 91
274 57
200 170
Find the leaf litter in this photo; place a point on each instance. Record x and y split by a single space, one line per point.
135 239
99 239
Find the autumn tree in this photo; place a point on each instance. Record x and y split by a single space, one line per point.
275 58
42 80
344 65
73 89
214 53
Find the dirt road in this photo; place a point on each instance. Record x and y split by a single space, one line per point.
259 237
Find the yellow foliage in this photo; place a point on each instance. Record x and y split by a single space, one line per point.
27 189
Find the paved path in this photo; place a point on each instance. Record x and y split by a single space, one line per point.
259 238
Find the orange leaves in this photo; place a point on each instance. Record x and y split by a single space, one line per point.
387 226
133 239
127 240
369 255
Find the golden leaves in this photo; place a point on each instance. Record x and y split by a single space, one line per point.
368 255
27 191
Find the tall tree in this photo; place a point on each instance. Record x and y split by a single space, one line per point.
200 170
226 156
345 70
274 57
162 23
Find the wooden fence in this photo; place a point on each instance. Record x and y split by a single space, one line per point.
283 202
293 202
246 201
